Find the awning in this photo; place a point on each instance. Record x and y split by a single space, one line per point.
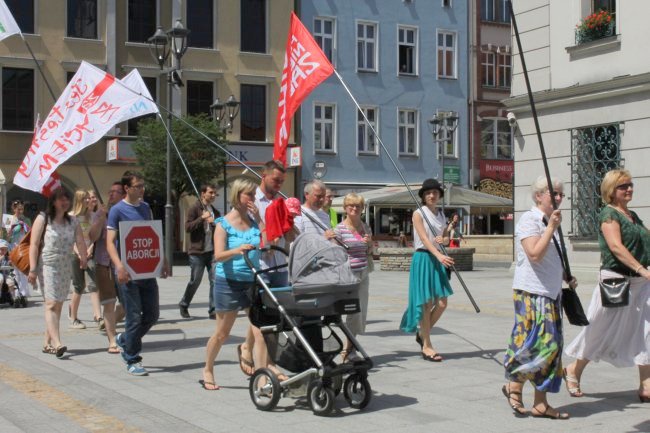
399 197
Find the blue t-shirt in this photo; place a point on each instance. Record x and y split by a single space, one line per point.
236 268
124 211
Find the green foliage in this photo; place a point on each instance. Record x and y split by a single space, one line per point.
202 158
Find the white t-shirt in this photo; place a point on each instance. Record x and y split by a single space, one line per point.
541 278
437 221
306 225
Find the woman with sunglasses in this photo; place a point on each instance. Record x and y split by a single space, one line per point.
534 352
619 336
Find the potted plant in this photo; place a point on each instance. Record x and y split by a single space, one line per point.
595 26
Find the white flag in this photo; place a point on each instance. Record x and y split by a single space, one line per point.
8 25
143 105
93 102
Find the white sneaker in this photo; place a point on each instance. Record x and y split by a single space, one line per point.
78 324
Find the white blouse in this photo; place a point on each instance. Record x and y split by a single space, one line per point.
438 222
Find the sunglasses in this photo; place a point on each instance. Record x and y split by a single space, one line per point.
625 186
557 194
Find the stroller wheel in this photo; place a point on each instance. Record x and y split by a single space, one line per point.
357 391
264 389
321 398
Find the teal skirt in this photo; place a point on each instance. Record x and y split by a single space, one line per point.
427 281
534 352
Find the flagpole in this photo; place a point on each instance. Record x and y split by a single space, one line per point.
47 84
417 202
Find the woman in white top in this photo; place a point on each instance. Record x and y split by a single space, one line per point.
534 351
428 282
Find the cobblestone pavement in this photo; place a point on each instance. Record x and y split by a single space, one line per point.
90 390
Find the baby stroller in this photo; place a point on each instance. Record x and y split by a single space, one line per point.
298 326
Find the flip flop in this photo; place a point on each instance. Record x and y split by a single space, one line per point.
204 385
244 363
432 358
114 349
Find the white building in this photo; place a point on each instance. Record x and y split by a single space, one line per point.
593 102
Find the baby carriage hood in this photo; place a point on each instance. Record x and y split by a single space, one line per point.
315 262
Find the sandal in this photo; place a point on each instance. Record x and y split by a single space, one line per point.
209 386
546 414
573 391
246 366
60 351
49 349
518 405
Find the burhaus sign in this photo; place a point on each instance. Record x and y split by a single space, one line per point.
140 248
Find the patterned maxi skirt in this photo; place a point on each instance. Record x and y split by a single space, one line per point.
535 348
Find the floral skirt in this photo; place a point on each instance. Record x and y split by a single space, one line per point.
535 348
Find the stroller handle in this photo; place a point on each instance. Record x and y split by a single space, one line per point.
263 250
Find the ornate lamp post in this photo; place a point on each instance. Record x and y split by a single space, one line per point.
224 114
442 124
161 45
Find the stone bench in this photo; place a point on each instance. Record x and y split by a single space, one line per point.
399 259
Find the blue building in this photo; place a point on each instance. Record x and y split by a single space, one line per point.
404 61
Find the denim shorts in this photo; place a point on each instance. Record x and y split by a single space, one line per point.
231 295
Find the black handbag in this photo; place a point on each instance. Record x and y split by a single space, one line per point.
614 292
570 301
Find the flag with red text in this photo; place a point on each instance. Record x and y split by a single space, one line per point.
93 102
305 67
52 183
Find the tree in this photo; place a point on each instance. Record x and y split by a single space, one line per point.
203 159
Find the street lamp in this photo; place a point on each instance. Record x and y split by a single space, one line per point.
161 45
441 125
223 114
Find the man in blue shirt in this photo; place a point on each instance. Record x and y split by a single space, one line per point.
140 297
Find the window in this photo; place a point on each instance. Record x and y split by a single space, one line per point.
495 11
200 19
23 12
82 19
489 68
407 50
253 26
142 20
366 140
447 144
446 55
324 36
607 6
199 97
407 125
253 112
366 47
594 151
505 69
496 139
17 99
324 128
152 86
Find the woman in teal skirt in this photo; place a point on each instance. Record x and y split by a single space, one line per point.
428 282
534 352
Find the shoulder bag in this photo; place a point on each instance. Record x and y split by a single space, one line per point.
19 255
614 292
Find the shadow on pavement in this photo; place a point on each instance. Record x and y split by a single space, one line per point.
607 402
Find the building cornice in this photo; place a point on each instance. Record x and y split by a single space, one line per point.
616 87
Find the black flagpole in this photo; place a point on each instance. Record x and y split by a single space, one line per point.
565 258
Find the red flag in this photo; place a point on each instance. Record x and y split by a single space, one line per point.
52 183
305 67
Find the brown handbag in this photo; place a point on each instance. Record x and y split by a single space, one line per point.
19 255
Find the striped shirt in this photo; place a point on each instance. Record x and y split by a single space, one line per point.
358 248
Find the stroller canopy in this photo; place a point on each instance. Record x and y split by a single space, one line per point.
315 262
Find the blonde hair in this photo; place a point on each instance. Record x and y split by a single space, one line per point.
91 192
78 202
540 186
353 198
243 184
610 181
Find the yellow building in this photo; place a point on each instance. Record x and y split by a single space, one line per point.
236 47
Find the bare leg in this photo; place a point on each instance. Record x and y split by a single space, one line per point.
425 330
52 319
439 307
573 376
513 391
94 301
225 321
109 322
119 313
74 305
644 379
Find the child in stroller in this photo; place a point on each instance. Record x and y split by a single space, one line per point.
7 278
298 326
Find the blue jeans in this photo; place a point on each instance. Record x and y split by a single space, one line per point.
141 305
198 264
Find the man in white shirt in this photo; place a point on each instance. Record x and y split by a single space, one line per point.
319 222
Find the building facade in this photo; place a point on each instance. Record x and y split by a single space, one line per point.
592 94
235 48
403 61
